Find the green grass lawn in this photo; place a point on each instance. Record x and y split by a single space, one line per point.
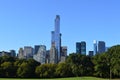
73 78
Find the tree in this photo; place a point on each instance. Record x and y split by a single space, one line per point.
8 69
33 64
46 70
114 60
63 70
81 65
24 70
101 65
7 59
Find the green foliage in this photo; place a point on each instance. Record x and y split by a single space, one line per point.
81 65
8 69
71 78
64 70
7 59
101 67
114 60
46 70
24 70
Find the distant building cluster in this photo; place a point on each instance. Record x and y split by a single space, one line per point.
56 53
98 48
11 53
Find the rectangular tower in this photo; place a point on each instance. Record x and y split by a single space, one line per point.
101 47
78 47
95 47
81 47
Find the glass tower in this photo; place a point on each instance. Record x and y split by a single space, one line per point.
95 47
81 48
78 48
101 47
56 37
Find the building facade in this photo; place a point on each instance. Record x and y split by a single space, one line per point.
78 47
36 48
12 53
101 47
28 52
56 38
40 56
53 55
95 47
91 53
63 53
21 54
81 48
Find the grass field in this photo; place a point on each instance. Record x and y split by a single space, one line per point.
74 78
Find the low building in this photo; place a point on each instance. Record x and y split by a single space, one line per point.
91 53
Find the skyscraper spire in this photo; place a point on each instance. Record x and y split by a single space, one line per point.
56 38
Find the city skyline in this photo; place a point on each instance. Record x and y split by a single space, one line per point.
29 23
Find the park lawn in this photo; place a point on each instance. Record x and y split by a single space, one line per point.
72 78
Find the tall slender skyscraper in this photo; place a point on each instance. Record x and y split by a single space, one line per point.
56 37
95 47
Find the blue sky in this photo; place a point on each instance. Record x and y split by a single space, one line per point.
30 22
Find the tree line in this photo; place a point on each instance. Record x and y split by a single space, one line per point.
104 65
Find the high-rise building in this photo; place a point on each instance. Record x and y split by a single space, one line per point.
81 47
56 37
40 56
63 53
48 56
36 48
53 54
95 47
21 54
13 53
101 47
28 52
78 47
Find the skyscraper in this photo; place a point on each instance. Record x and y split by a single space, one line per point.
36 48
13 53
101 47
53 54
21 54
78 47
63 53
28 52
95 47
56 37
81 47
